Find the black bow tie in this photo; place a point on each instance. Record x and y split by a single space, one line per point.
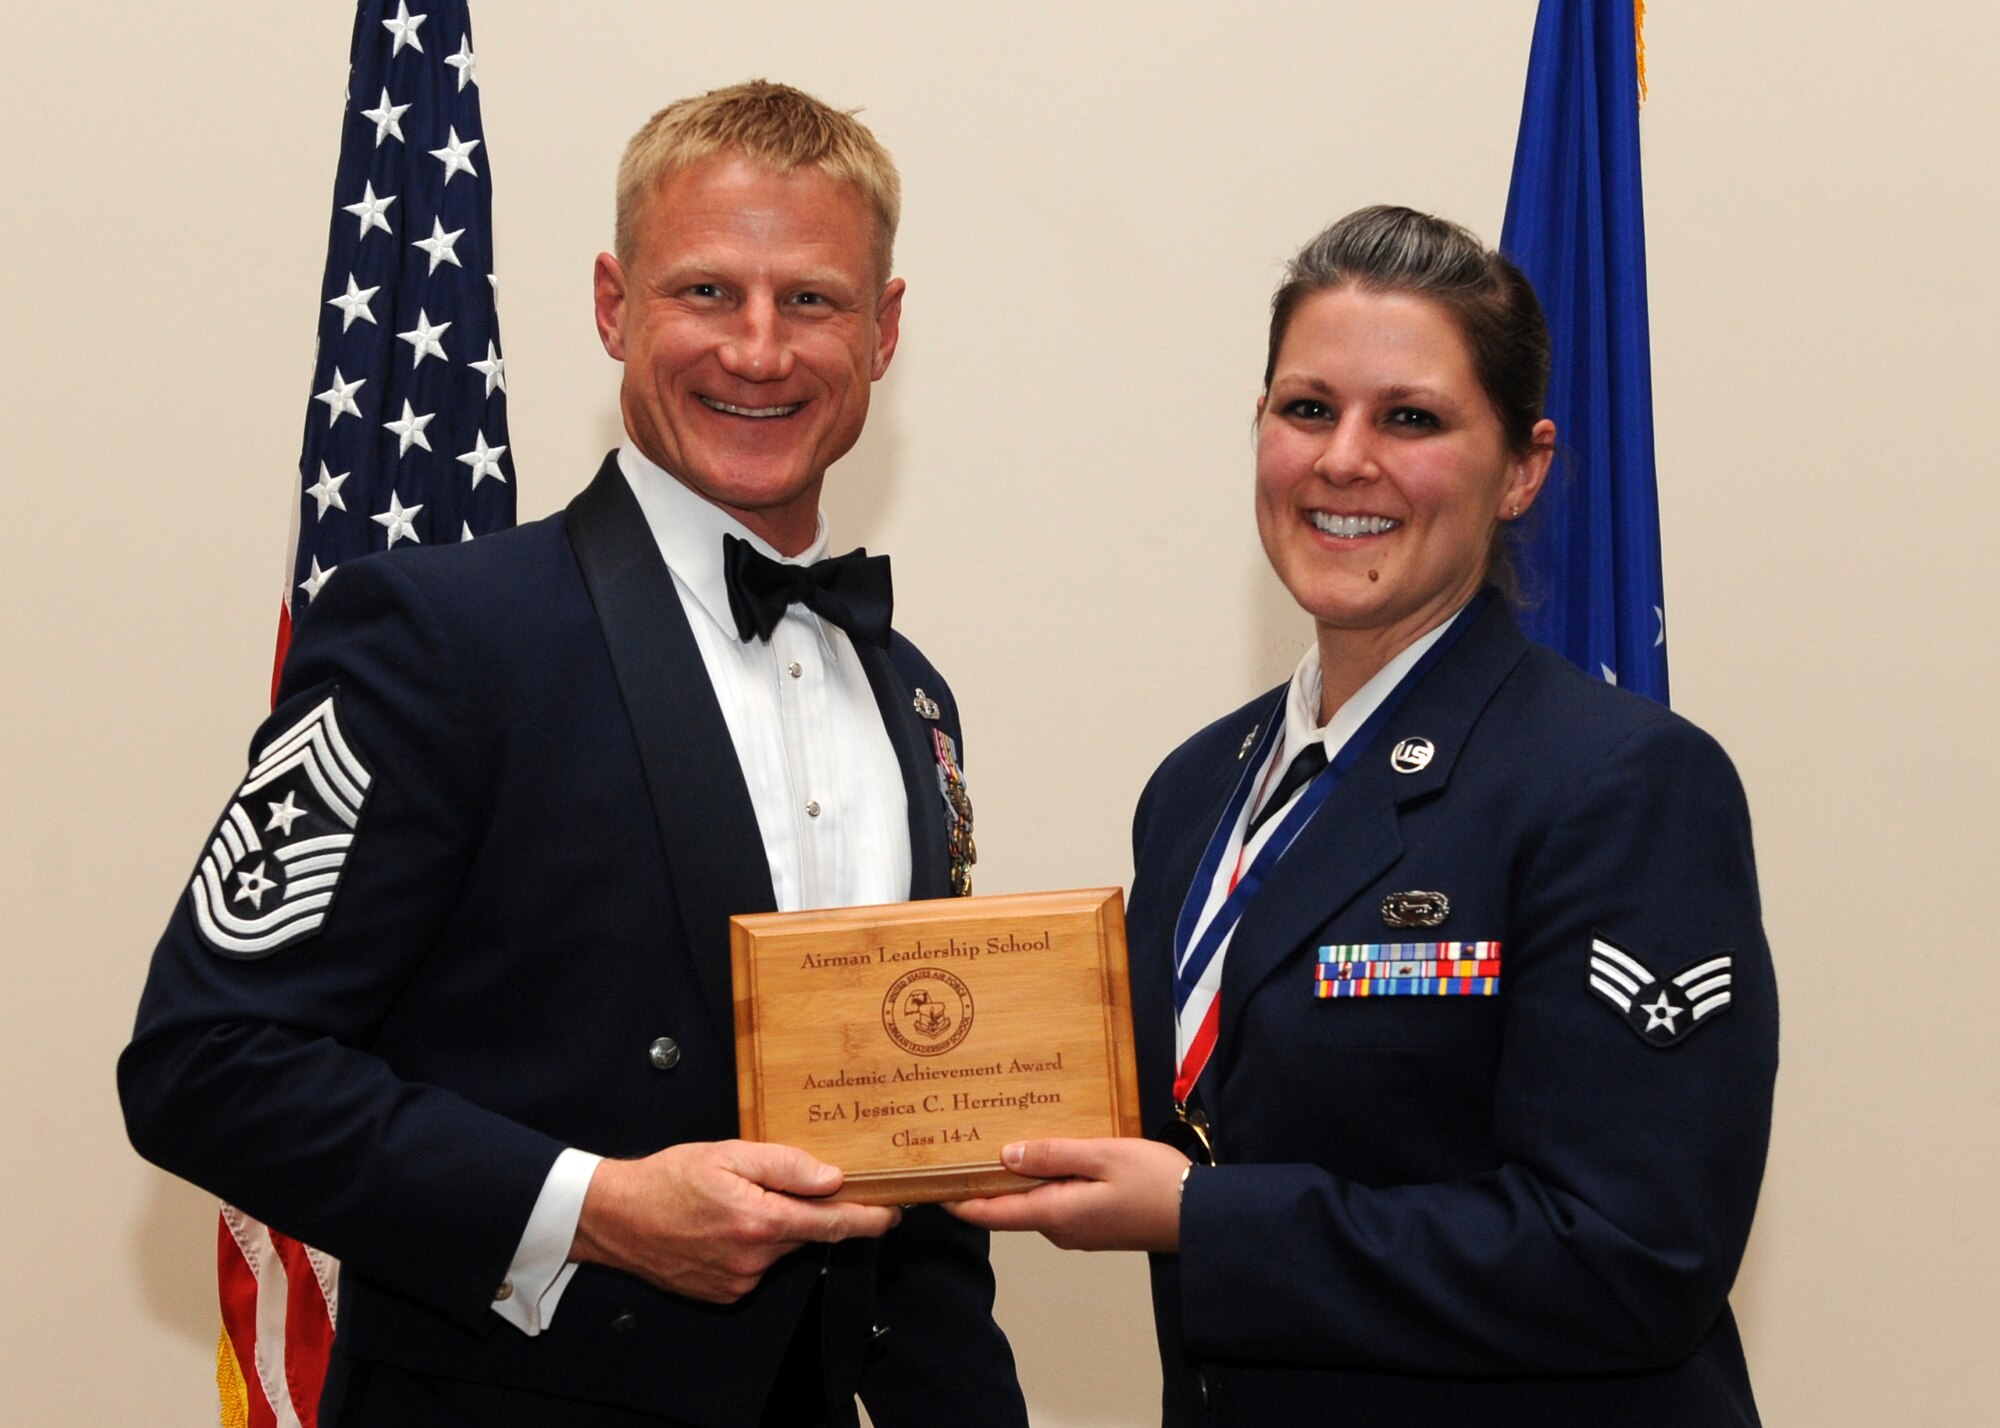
851 590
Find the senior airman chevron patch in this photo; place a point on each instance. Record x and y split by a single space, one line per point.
270 870
1660 1013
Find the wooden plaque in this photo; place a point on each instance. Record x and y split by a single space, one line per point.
907 1043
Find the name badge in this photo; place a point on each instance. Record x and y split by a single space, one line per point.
1408 969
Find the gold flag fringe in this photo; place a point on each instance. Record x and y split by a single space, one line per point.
229 1385
1639 39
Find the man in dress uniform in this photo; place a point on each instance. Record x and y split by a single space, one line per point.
448 994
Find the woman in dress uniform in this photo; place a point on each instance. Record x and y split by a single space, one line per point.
1455 1016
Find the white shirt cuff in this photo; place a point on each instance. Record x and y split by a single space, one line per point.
542 1267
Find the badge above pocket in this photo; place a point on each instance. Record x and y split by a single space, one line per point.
1415 908
271 869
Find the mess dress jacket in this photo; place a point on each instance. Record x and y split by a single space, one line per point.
533 909
1516 1209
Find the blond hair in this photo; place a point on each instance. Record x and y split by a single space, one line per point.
774 126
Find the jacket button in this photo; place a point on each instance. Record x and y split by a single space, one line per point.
504 1292
877 1333
625 1323
665 1054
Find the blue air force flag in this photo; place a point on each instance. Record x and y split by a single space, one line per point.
1576 226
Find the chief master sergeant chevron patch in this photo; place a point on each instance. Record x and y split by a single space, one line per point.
272 867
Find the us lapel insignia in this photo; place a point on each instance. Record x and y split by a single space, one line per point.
1408 969
926 707
1662 1012
957 812
271 868
1249 742
1415 908
1412 755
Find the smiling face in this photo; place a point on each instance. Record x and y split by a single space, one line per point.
751 321
1382 469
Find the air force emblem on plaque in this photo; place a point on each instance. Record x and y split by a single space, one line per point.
1660 1012
927 1011
270 870
957 813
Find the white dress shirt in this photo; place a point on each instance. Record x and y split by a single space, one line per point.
824 783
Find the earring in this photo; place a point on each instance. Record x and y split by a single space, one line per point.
1515 513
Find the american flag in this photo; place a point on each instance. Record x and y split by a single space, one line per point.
406 432
405 441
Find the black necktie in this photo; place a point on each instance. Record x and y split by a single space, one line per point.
1302 770
851 590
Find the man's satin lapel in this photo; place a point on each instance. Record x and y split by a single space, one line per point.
1357 833
930 859
708 827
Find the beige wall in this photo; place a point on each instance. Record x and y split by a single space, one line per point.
1099 198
